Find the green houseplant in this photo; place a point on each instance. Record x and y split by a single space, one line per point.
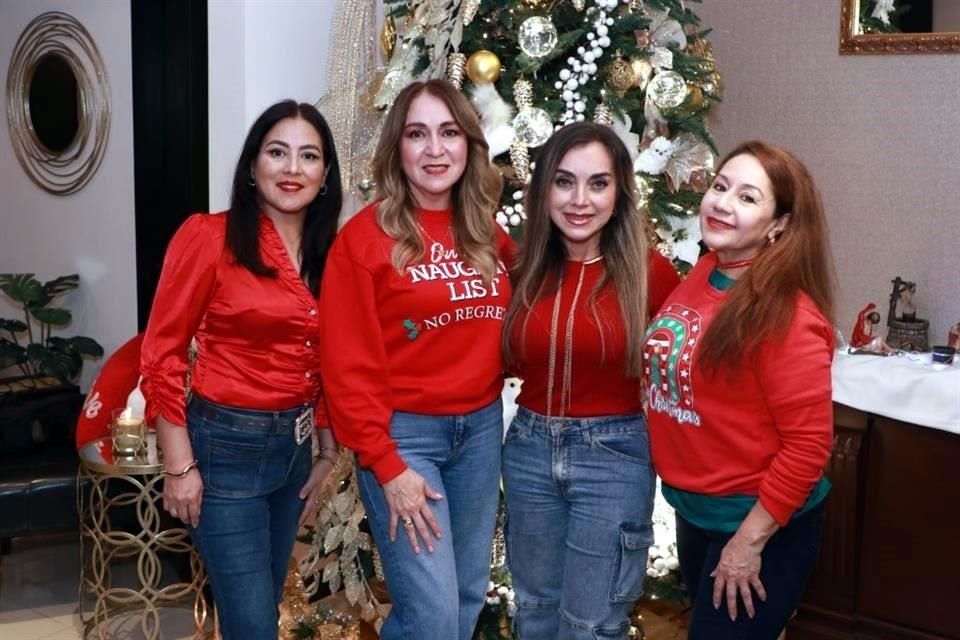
40 402
39 354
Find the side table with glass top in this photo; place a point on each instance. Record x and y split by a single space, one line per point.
133 487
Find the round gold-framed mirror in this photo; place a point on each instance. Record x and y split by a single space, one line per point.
58 103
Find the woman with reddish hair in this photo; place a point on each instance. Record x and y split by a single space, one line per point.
737 367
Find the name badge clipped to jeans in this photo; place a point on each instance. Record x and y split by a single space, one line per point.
303 425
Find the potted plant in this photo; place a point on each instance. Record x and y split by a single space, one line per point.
42 398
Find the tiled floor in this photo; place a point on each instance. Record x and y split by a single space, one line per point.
39 587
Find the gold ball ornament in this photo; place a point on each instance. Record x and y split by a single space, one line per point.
694 99
620 76
483 67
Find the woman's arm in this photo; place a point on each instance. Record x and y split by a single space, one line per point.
356 386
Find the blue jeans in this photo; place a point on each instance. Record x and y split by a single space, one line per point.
252 470
579 495
787 561
439 595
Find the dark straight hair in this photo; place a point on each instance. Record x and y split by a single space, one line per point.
320 224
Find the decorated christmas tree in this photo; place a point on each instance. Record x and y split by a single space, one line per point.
530 66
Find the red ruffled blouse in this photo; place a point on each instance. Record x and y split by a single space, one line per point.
256 336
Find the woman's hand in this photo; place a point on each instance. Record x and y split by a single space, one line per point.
182 497
314 486
740 560
737 571
407 496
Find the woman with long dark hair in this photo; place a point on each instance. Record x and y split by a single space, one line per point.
244 284
577 476
413 302
737 365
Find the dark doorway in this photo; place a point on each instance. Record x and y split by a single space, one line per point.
169 128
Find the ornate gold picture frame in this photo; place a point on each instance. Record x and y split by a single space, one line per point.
54 47
853 41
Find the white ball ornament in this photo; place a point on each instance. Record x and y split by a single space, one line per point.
579 106
558 85
518 195
581 117
564 74
502 219
571 60
588 57
602 30
581 50
515 220
590 36
567 95
604 41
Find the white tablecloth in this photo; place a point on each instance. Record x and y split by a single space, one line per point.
903 387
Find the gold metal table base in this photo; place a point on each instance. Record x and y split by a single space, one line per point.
102 546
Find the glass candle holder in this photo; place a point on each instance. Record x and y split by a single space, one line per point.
129 434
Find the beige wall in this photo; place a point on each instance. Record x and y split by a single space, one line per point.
90 232
880 133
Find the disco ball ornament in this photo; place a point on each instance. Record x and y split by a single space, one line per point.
533 126
667 89
537 36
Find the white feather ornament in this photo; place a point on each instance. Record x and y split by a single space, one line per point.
496 117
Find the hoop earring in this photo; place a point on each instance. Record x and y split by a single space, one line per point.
252 182
771 239
323 189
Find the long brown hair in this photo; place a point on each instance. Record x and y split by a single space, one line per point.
762 303
475 196
542 257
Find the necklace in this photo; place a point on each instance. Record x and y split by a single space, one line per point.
736 264
567 375
427 236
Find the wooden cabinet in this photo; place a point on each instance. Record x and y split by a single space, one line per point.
889 565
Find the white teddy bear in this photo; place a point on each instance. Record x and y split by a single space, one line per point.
653 160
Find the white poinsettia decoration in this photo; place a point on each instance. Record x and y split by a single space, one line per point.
683 237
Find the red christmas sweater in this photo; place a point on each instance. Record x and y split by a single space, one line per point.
423 341
600 385
763 429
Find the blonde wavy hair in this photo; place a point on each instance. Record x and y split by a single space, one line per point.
475 195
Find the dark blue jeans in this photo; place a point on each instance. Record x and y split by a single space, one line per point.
579 495
787 561
252 470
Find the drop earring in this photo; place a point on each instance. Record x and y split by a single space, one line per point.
323 189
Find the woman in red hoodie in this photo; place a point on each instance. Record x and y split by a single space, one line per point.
414 295
739 396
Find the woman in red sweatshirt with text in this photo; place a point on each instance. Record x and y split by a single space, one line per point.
577 475
414 296
739 396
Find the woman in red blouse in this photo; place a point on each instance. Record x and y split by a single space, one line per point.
244 284
577 474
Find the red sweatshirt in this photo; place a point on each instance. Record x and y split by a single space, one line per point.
763 429
423 341
600 385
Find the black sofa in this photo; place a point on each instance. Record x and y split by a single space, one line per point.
38 463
